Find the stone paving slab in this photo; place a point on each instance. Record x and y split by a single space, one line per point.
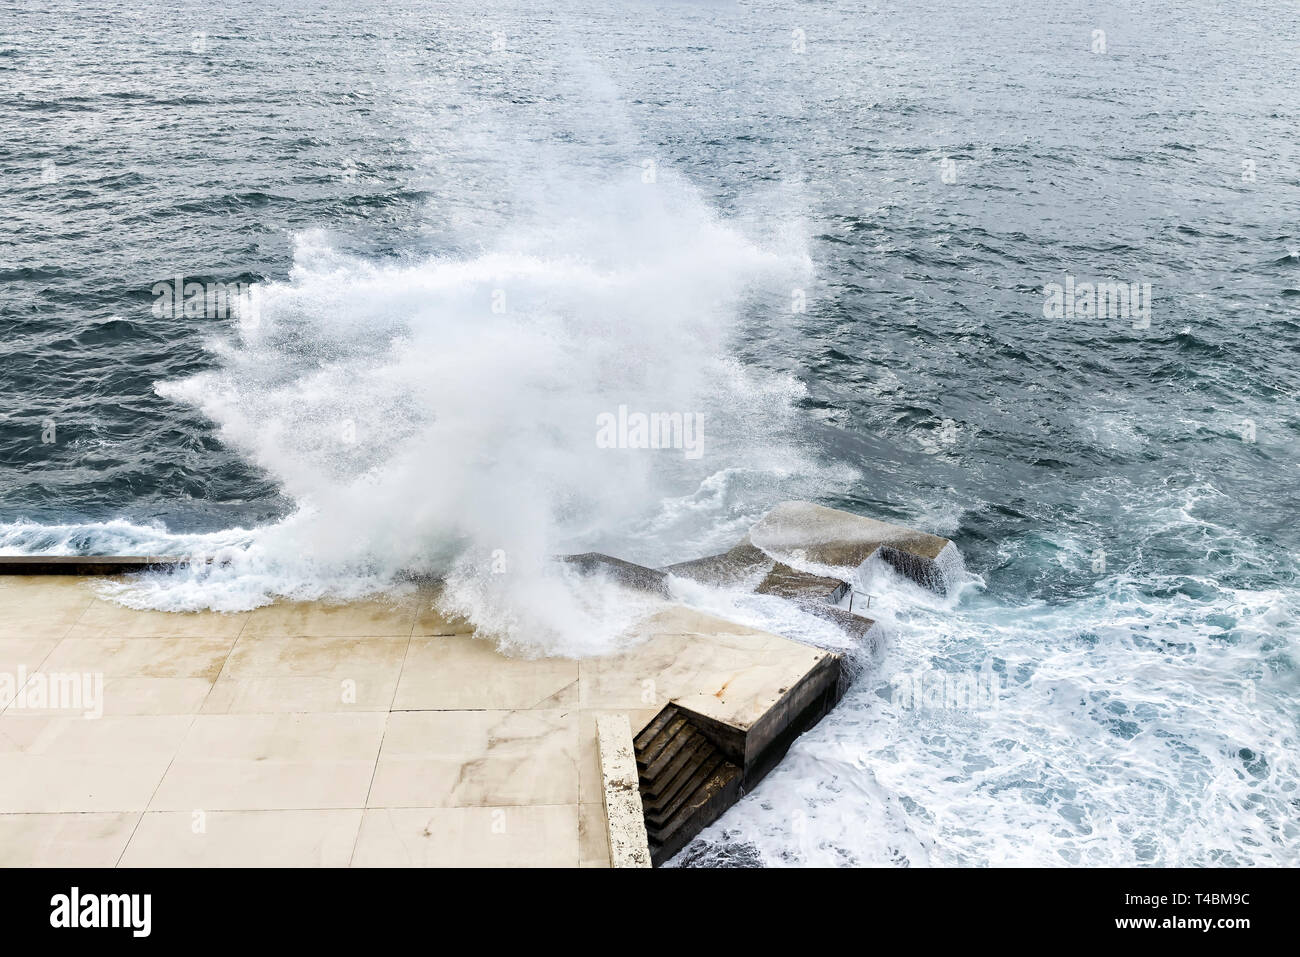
374 733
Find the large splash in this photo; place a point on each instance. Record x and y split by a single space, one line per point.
440 415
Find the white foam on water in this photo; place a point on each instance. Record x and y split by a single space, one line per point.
114 537
1119 728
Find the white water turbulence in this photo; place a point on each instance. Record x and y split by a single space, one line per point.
1124 728
439 415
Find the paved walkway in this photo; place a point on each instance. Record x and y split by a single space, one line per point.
305 734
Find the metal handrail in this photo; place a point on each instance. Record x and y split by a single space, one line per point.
853 591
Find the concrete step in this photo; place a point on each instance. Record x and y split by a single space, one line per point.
695 762
686 785
664 785
656 745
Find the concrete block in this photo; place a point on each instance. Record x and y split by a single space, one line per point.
625 820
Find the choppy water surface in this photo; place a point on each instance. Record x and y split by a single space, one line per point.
826 228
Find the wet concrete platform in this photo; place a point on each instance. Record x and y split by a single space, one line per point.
373 733
378 733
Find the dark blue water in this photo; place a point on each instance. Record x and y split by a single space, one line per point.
648 182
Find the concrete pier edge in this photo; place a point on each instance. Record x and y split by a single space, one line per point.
624 817
84 564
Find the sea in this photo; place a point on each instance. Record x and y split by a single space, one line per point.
326 296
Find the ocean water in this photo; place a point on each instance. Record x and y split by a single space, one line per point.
824 231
